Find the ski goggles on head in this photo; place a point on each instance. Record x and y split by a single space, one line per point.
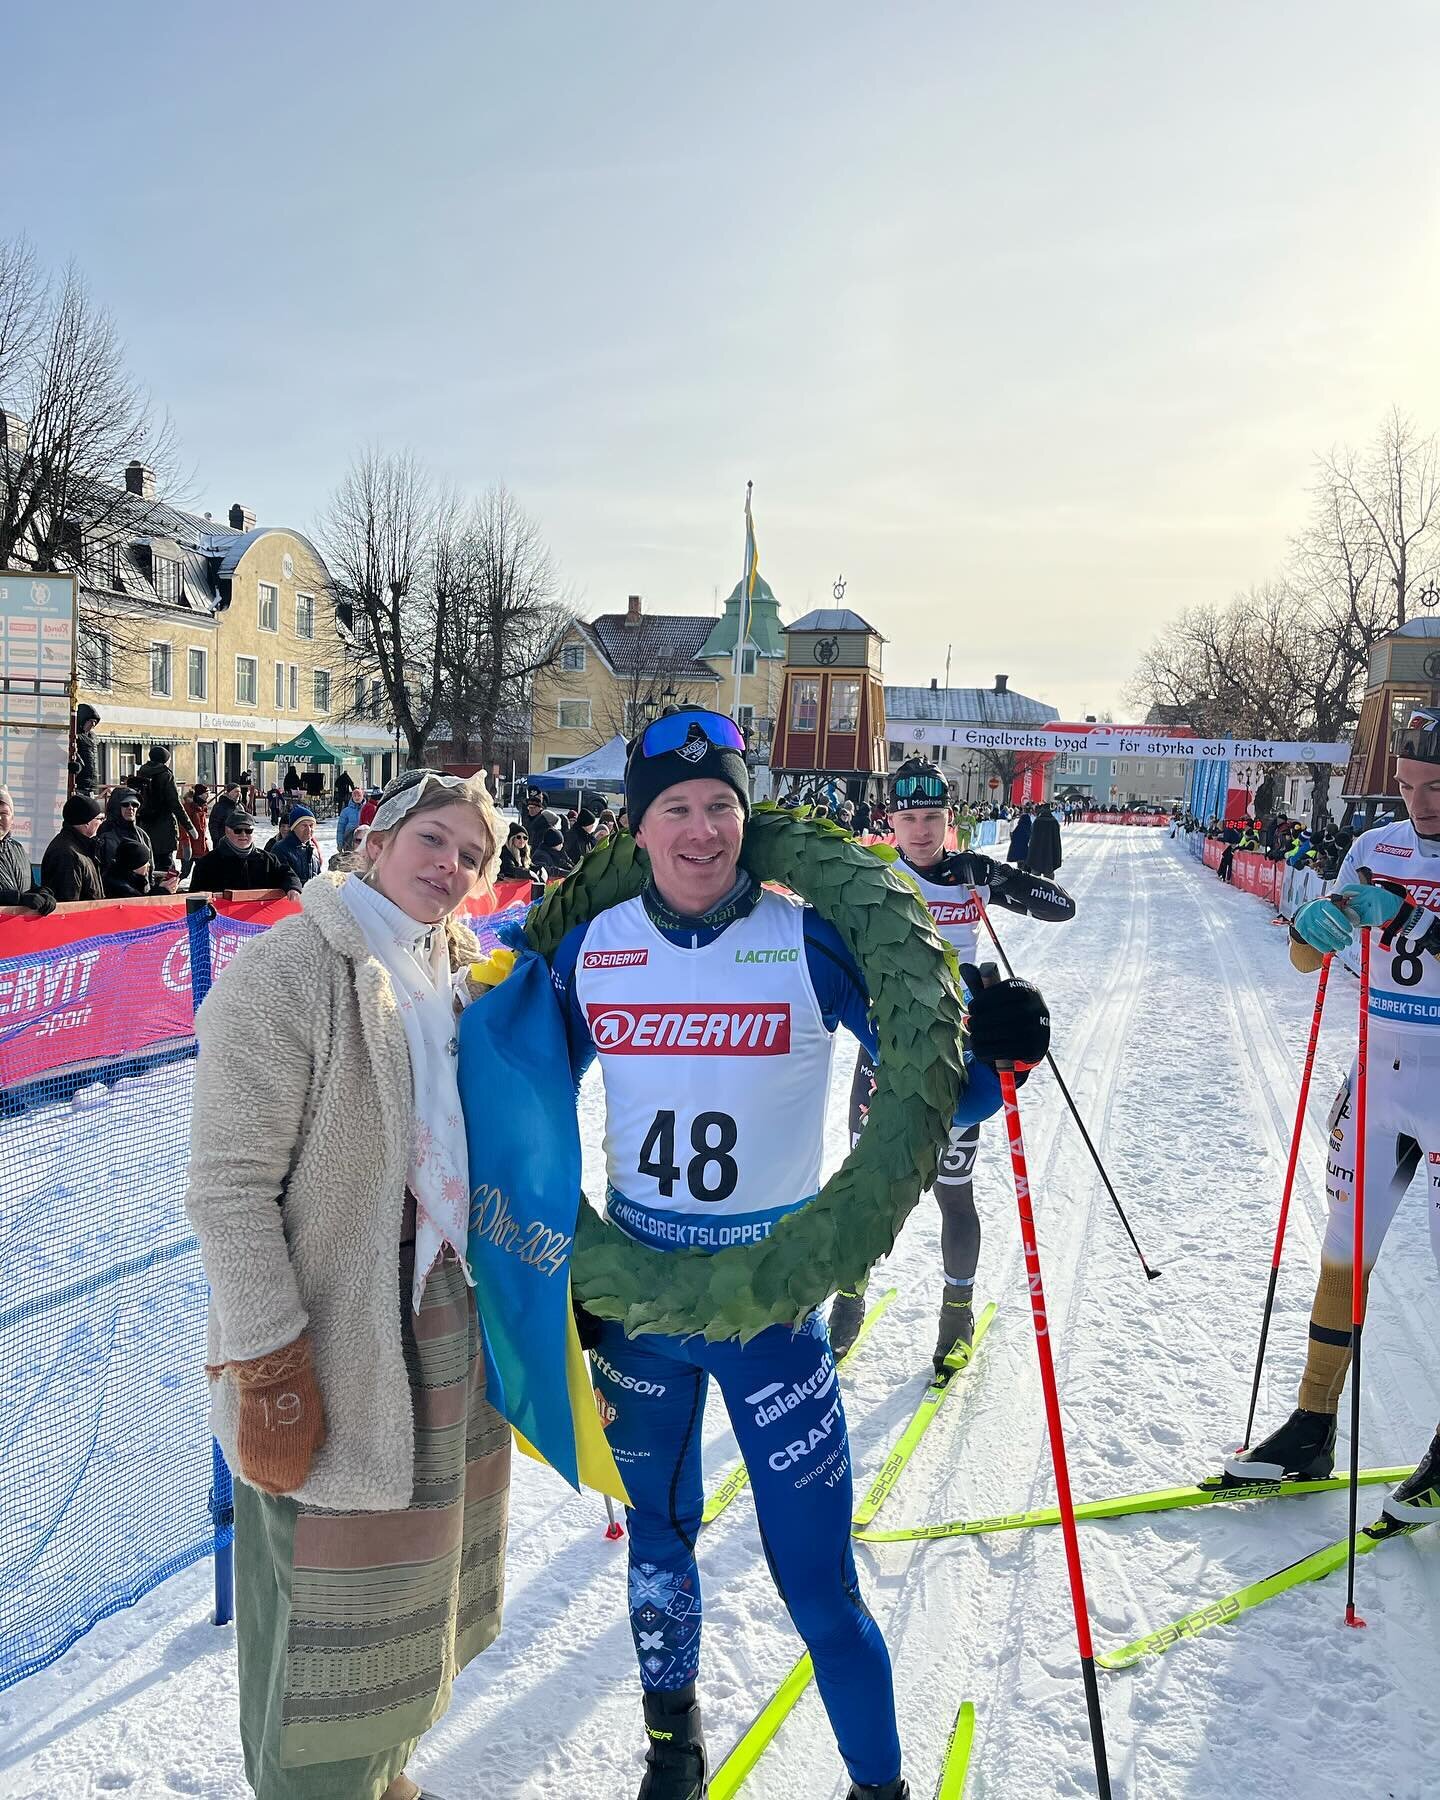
671 730
925 789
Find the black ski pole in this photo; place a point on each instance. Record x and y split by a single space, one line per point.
1150 1274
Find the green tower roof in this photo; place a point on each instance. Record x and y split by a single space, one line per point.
764 623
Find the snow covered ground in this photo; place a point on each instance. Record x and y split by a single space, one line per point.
1180 1025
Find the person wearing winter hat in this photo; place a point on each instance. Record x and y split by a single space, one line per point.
128 873
122 826
1390 882
70 868
297 848
953 885
85 764
161 817
580 837
714 1132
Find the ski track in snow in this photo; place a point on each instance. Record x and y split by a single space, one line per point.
1179 1026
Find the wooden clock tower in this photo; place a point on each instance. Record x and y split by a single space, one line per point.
832 708
1404 672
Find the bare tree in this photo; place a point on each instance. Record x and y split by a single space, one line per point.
502 623
75 418
1390 495
379 535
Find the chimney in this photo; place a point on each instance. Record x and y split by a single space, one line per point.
1002 684
241 518
14 434
632 616
139 480
934 684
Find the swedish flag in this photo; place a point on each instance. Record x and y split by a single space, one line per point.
750 578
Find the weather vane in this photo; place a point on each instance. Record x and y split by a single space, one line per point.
1429 595
839 589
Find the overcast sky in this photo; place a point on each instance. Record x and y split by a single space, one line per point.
1029 320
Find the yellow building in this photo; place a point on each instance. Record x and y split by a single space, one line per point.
214 640
616 671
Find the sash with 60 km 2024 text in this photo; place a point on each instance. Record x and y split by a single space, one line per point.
524 1144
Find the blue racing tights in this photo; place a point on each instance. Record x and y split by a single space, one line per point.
783 1399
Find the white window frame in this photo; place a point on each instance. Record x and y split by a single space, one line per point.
262 588
203 691
99 646
557 762
745 718
304 600
168 691
561 724
1094 766
317 675
294 687
253 662
279 687
748 659
572 659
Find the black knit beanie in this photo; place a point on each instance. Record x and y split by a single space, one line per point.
697 759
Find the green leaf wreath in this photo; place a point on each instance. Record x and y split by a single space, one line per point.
854 1220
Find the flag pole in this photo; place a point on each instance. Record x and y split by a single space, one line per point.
742 621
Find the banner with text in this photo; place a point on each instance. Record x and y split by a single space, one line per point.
1103 742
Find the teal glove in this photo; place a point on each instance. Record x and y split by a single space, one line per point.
1370 904
1323 926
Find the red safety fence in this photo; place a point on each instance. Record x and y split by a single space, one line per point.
1251 871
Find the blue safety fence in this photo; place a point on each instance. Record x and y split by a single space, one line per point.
109 1481
109 1478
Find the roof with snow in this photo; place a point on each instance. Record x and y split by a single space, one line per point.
965 706
832 618
656 643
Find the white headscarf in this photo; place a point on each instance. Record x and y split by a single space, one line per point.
417 959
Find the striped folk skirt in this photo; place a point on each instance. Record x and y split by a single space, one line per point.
351 1626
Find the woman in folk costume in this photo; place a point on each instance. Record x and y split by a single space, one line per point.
344 1348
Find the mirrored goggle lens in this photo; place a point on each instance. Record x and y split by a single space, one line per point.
671 731
929 787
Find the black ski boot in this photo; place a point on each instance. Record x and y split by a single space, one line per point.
898 1789
957 1324
1417 1499
1303 1449
675 1767
847 1315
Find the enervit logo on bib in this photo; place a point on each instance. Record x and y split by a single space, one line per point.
615 959
954 912
738 1028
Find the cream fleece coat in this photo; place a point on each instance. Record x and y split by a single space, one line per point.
299 1221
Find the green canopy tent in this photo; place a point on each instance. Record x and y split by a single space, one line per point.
305 746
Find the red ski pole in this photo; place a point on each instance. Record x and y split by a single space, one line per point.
1055 1427
1054 1067
1295 1140
1357 1274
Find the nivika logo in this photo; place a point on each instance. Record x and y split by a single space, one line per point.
615 959
735 1029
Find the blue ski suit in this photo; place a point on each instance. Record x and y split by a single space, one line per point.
783 1398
